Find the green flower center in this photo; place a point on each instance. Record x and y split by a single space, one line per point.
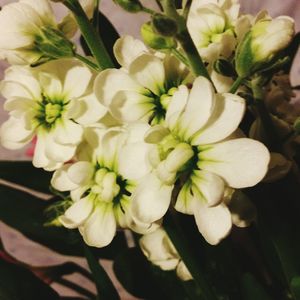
49 112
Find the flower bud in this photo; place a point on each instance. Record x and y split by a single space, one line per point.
132 6
164 25
53 44
265 40
154 40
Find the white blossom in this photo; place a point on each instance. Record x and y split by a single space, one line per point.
52 102
142 89
101 187
160 251
195 147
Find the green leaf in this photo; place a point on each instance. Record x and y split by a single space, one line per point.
108 34
24 173
295 287
140 278
25 213
251 289
105 287
17 283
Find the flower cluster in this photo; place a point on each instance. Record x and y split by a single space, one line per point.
129 144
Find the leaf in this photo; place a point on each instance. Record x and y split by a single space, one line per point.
251 289
295 287
25 174
104 285
17 283
108 34
144 280
25 213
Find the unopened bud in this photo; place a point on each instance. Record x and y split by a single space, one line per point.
224 67
53 44
164 25
132 6
262 43
154 40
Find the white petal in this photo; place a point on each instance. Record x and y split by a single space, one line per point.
51 85
42 7
149 71
81 172
130 106
225 119
176 106
198 108
185 199
76 81
240 162
14 133
151 199
182 272
210 187
100 228
40 160
76 214
111 81
67 132
155 134
61 181
214 223
127 48
133 161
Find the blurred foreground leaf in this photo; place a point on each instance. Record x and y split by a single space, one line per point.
17 283
24 173
25 213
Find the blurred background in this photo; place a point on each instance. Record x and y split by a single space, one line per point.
125 23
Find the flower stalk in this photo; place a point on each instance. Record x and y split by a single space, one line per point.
90 34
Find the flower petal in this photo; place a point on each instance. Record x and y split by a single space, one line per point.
198 108
127 48
149 71
100 228
240 162
81 172
225 119
67 133
61 181
76 214
214 223
151 199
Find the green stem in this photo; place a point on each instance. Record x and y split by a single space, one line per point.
105 287
177 236
87 62
148 10
236 85
96 15
90 35
73 286
180 56
185 40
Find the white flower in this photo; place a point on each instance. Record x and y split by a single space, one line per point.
29 32
51 102
211 25
160 251
194 147
101 188
143 88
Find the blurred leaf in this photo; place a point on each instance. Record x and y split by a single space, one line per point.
295 286
140 278
25 213
108 34
24 173
105 288
252 290
17 283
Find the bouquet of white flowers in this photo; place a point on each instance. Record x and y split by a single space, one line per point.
175 142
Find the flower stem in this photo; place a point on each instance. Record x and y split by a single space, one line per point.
87 62
180 56
185 40
96 15
236 85
90 35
